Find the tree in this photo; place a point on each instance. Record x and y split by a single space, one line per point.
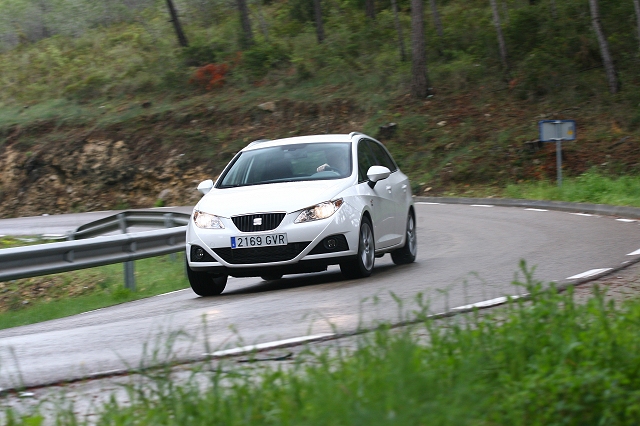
501 43
419 79
182 39
636 6
403 55
318 15
609 69
246 38
370 9
436 18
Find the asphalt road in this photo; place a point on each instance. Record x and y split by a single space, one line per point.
466 254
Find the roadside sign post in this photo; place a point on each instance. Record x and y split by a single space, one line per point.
557 131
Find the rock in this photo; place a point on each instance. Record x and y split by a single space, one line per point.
387 130
268 106
164 194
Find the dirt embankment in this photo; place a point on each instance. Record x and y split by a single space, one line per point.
157 159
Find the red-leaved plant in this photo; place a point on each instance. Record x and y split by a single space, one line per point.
210 76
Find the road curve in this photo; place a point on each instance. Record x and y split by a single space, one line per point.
466 254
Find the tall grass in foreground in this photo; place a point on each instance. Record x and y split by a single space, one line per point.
547 361
590 187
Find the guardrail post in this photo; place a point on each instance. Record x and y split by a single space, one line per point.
129 276
169 223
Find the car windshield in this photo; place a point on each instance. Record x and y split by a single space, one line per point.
289 163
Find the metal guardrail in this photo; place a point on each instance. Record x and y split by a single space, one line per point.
122 221
85 250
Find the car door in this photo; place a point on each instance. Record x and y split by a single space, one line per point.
397 190
383 211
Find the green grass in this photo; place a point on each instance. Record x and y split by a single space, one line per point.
61 295
590 187
546 361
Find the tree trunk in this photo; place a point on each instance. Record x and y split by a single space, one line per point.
419 79
370 9
247 35
610 71
182 39
636 5
263 23
403 55
319 26
501 43
436 18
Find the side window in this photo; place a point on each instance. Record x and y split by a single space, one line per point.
365 160
382 156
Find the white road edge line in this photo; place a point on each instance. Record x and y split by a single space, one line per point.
537 210
171 292
582 214
481 205
589 273
626 220
269 345
487 303
633 253
429 204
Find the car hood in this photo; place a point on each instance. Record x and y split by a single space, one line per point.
284 197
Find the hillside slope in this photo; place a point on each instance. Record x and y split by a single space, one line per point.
117 115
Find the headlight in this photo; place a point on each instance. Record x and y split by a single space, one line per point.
206 220
319 211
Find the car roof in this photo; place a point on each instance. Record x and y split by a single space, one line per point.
263 143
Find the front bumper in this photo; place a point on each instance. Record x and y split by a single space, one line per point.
312 246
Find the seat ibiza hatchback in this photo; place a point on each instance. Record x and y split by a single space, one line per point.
297 205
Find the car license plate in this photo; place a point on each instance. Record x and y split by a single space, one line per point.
251 241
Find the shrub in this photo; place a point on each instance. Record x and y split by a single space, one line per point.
210 76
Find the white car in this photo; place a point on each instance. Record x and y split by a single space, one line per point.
297 205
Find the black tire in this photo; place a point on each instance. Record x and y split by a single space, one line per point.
408 252
362 265
206 284
272 277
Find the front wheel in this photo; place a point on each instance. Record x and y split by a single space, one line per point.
362 265
205 284
408 252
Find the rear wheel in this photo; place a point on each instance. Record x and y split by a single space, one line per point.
206 284
407 254
362 265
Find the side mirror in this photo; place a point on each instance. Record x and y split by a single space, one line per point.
377 173
205 186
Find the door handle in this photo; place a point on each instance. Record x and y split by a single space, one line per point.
404 188
389 188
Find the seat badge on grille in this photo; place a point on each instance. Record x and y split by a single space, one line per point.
257 221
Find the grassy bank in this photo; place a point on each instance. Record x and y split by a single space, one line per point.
590 187
546 361
33 300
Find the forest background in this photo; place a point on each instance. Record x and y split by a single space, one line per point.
123 103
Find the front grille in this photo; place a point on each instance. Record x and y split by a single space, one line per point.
269 221
261 254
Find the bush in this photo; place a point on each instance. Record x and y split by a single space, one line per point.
262 57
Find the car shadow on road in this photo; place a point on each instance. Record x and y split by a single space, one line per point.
289 282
